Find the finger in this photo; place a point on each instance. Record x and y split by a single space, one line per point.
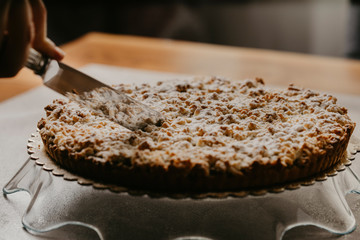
49 48
4 10
41 42
17 39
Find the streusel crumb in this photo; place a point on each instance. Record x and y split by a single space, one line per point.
213 124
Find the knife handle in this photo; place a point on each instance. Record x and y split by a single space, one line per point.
37 62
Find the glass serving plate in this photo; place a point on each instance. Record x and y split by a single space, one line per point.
268 214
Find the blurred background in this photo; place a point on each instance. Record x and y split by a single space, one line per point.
321 27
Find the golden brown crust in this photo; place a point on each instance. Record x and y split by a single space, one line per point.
144 166
173 179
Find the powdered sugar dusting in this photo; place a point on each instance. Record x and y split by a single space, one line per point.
214 123
118 107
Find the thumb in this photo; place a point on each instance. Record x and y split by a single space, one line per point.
41 43
16 38
48 47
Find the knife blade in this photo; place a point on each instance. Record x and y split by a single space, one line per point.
88 91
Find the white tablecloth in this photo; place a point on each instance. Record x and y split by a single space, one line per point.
19 117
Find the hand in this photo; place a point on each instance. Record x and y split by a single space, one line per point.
23 25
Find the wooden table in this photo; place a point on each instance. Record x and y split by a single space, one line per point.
276 68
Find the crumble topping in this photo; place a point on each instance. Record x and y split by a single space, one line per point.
210 123
118 107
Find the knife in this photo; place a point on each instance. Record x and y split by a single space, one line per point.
66 80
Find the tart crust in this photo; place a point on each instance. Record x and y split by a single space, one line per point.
316 150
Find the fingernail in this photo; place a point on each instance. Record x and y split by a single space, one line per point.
60 52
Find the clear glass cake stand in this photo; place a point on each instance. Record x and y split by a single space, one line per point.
56 203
